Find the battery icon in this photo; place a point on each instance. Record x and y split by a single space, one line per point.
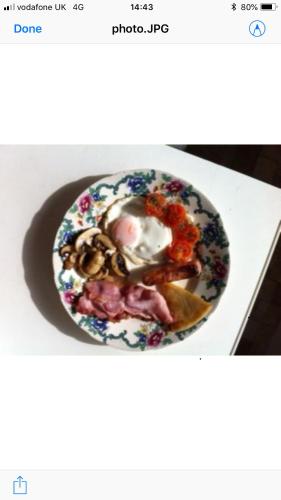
268 6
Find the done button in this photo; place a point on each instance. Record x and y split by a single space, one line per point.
19 28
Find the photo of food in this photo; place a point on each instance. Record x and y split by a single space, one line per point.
140 250
141 259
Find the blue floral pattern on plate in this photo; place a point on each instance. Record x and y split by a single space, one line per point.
88 210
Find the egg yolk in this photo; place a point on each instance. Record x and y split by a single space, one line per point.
125 230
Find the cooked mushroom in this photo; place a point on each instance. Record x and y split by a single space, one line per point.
70 261
92 254
67 265
93 262
103 273
86 237
119 265
103 242
79 265
66 250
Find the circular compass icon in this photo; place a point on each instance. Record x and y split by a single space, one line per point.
257 28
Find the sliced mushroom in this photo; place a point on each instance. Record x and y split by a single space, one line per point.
101 275
119 265
66 250
92 262
79 265
86 237
103 242
70 261
67 265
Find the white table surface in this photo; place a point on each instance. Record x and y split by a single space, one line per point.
37 186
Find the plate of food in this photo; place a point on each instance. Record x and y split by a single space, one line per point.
141 260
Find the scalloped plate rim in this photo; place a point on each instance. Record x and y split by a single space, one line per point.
125 173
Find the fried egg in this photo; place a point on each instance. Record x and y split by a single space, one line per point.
140 237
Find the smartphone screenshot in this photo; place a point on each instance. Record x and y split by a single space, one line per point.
140 191
125 22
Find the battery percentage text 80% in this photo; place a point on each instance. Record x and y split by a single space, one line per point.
245 6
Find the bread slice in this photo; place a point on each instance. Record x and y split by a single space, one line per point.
186 307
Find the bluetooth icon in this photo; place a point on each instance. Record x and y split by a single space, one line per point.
233 6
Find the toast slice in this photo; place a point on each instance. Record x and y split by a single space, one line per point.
186 307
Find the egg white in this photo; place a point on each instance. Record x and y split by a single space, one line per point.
152 236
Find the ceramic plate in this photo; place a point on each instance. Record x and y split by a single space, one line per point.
87 211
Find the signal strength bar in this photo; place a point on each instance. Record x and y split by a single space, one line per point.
10 7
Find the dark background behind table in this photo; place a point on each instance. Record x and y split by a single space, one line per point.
262 334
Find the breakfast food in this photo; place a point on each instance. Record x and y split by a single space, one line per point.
184 234
155 204
148 239
187 308
107 300
127 235
93 255
140 237
172 272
